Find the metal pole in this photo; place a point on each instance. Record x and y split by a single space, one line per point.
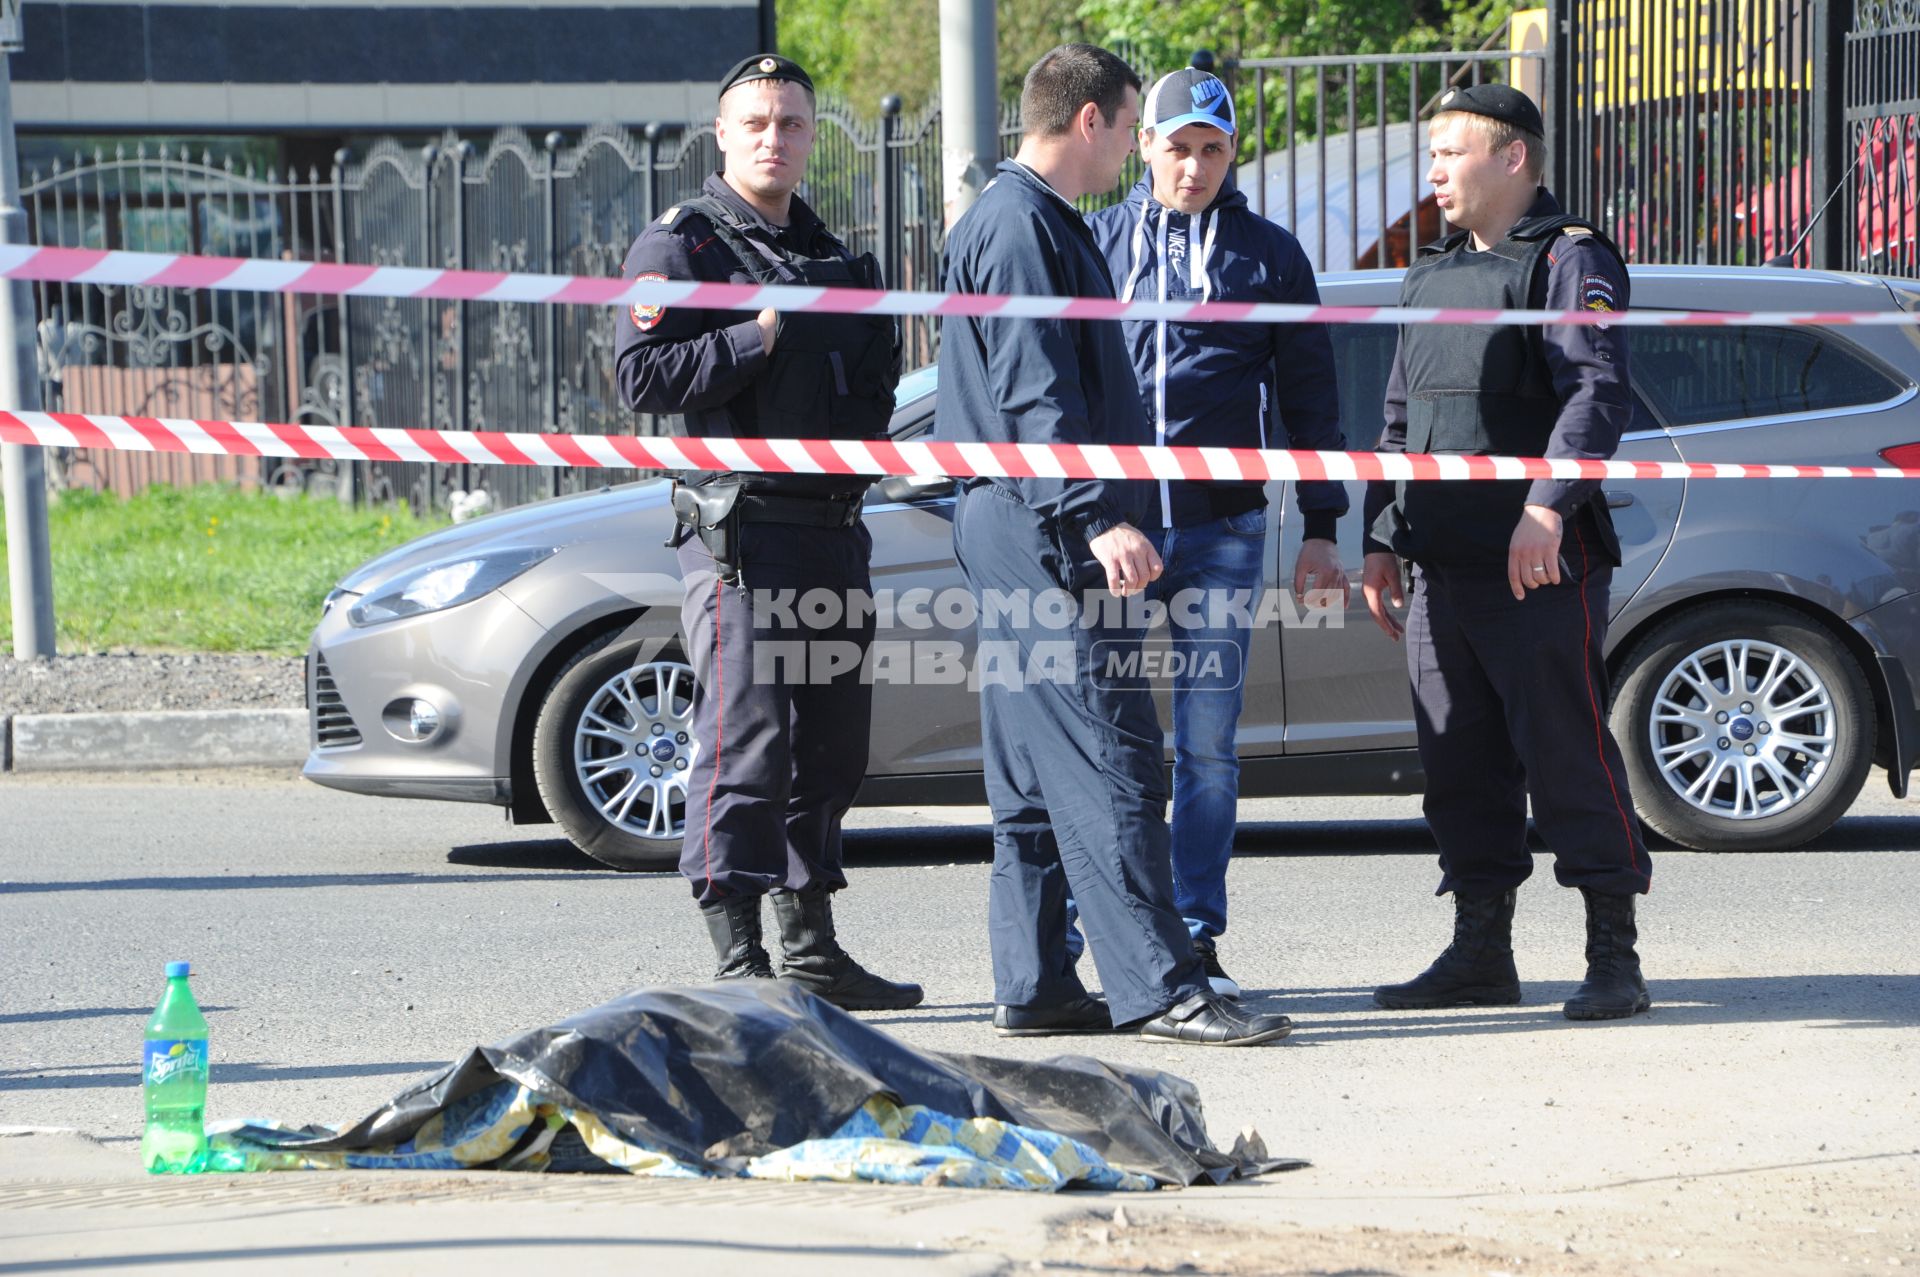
350 481
969 102
550 320
1832 149
29 548
887 209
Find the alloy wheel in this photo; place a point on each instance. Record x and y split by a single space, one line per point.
1742 730
634 749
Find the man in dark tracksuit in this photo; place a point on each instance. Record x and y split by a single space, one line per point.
783 749
1073 763
1509 615
1185 234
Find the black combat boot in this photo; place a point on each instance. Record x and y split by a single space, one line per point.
734 925
1475 970
814 960
1613 989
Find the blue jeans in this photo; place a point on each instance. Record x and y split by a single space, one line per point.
1207 566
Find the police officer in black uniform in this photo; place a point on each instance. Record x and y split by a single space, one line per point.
1510 579
783 732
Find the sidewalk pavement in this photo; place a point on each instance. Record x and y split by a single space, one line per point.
69 1203
135 741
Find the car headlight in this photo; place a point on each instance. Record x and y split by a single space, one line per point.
443 585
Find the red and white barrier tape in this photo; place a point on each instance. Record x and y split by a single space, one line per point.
821 456
333 279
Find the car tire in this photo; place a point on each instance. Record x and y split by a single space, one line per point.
1810 727
638 700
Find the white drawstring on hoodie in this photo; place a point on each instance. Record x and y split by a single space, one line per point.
1201 229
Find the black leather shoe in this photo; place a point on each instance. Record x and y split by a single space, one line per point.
1614 988
1085 1014
1476 970
1207 1019
813 959
734 927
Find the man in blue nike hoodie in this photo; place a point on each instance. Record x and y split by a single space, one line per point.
1185 234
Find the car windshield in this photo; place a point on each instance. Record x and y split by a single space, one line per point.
915 385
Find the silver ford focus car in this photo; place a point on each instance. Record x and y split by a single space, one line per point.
1763 643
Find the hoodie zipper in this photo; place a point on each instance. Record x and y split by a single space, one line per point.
1200 236
1160 367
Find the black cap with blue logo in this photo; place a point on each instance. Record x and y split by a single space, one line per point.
1188 96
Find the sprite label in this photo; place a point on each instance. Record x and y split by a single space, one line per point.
174 1061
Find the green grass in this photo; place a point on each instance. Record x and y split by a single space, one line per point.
209 569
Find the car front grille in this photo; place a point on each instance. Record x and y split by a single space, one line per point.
332 726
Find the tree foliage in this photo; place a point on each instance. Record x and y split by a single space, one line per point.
865 49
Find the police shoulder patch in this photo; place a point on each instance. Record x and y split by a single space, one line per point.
1597 293
646 318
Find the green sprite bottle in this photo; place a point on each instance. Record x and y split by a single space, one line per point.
173 1075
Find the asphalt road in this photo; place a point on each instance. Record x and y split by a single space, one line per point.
342 945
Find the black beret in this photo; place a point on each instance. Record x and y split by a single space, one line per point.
766 66
1498 101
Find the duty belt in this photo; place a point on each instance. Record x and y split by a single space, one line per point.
813 512
714 512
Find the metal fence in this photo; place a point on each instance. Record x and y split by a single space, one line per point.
1745 131
1710 132
1340 145
1882 109
1698 132
568 206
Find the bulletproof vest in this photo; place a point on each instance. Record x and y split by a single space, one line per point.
1474 390
829 376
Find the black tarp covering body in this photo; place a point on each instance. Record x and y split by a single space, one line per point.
716 1074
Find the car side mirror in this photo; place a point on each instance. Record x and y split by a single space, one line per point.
915 487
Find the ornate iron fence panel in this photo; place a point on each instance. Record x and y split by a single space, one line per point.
173 351
600 207
386 346
1882 234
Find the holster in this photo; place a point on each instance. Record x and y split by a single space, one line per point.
710 511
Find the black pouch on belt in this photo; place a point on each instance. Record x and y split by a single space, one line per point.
711 511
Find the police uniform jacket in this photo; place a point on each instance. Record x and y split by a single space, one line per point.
1038 380
1553 391
707 365
1220 385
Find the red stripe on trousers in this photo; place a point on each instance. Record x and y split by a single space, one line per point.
1599 739
719 723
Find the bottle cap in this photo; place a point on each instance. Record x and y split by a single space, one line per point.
177 969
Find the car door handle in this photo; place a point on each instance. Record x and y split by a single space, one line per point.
1618 500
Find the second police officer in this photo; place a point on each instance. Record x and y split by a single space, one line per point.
783 751
1509 615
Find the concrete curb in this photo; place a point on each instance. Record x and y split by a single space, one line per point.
158 739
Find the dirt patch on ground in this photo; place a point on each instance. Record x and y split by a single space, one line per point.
1150 1242
1807 1223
